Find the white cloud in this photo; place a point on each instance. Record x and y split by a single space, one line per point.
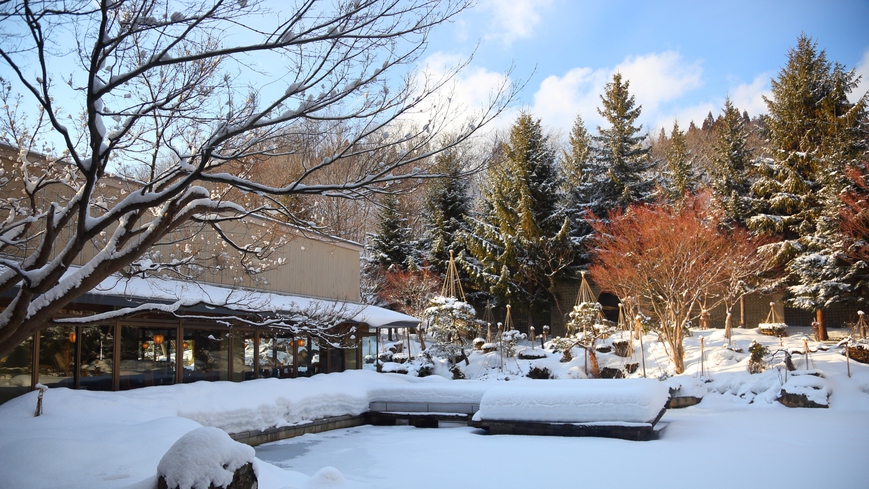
750 96
655 79
560 99
862 69
513 19
658 78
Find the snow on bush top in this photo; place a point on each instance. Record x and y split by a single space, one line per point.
203 457
589 401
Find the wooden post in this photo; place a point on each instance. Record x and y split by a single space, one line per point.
806 352
848 360
742 312
42 390
642 349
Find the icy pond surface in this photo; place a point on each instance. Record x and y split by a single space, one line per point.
720 448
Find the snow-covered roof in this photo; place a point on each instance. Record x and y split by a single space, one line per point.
196 296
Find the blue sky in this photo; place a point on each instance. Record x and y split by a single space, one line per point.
682 57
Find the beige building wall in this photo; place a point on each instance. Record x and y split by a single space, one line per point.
303 263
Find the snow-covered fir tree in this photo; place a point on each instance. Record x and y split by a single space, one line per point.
731 162
574 165
519 246
680 176
390 247
815 132
447 203
616 174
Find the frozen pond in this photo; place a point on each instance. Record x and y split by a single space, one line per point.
760 446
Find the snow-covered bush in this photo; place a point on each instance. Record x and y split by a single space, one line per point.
758 352
450 323
583 317
509 339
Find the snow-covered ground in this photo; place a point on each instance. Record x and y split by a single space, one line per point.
738 435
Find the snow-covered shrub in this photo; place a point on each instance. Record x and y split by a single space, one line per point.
450 322
583 317
539 373
758 352
509 339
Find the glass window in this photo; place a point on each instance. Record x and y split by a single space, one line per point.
277 354
209 354
57 356
147 357
97 351
15 370
242 355
350 358
309 356
369 351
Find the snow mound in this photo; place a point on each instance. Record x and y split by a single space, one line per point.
589 401
203 457
327 477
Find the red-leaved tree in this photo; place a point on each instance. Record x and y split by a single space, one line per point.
671 258
855 229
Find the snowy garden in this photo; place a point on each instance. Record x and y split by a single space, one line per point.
199 146
740 431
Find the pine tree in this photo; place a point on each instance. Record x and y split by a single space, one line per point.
575 166
616 173
681 177
447 204
814 133
390 247
731 161
519 245
575 160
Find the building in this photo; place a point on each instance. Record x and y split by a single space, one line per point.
237 319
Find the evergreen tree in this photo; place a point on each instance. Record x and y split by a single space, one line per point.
731 160
390 247
616 172
681 177
574 166
576 158
447 204
519 245
814 132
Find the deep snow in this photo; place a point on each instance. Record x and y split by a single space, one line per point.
738 435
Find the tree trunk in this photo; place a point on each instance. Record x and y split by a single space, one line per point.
594 367
419 334
822 325
742 312
678 357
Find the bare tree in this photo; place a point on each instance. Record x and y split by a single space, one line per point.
195 94
670 259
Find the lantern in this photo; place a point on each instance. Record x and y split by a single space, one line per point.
184 345
72 337
145 345
158 339
300 342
